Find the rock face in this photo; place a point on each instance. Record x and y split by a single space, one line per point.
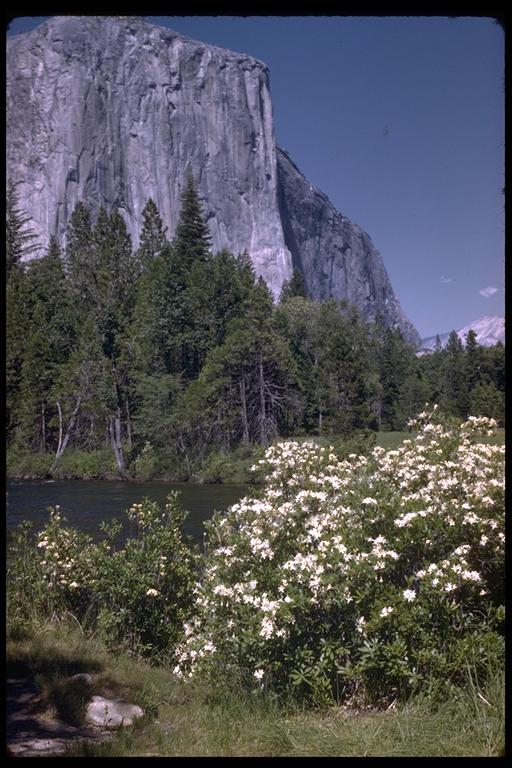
336 257
114 110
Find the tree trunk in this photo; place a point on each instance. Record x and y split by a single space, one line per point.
128 424
43 429
245 421
63 441
114 426
261 382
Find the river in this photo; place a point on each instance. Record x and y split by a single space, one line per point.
86 503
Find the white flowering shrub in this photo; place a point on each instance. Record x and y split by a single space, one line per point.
366 576
138 595
145 464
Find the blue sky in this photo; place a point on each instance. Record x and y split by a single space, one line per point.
400 121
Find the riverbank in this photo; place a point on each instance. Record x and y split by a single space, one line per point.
187 720
231 467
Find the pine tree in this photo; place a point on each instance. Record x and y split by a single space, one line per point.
242 391
189 275
487 400
295 286
474 360
115 277
80 258
396 362
83 394
18 239
50 340
18 303
152 236
455 392
192 238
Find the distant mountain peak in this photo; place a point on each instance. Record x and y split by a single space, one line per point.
489 330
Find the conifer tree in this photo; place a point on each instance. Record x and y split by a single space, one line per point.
80 257
152 236
396 362
18 239
295 286
474 363
18 310
192 238
189 277
50 340
455 393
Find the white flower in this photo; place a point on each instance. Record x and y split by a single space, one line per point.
267 628
386 611
409 595
258 674
369 500
152 592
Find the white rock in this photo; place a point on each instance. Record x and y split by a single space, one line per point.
111 714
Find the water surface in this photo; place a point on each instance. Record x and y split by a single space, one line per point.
85 503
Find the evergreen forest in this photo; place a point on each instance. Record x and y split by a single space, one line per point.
165 356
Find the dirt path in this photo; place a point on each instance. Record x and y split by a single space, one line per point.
32 731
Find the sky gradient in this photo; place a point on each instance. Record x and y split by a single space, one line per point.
400 121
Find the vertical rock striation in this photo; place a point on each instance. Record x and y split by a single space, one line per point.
114 110
337 258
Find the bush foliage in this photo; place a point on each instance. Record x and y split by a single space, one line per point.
372 576
137 596
360 577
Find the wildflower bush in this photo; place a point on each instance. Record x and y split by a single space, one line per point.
145 466
368 576
137 596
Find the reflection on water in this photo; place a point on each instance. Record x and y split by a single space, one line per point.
85 503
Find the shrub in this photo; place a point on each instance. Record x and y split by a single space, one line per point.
24 464
145 466
233 467
137 596
86 465
372 576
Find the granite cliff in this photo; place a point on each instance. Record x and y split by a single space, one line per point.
114 110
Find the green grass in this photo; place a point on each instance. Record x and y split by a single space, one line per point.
391 440
187 720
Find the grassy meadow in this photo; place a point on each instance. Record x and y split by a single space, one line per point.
189 720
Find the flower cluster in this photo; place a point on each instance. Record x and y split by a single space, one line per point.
337 566
138 594
63 556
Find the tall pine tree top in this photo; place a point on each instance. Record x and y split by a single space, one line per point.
152 236
192 239
295 286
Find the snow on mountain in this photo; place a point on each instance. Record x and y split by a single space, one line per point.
489 331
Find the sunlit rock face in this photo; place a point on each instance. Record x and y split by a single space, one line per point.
114 110
337 258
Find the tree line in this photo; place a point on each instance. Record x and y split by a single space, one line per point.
176 346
